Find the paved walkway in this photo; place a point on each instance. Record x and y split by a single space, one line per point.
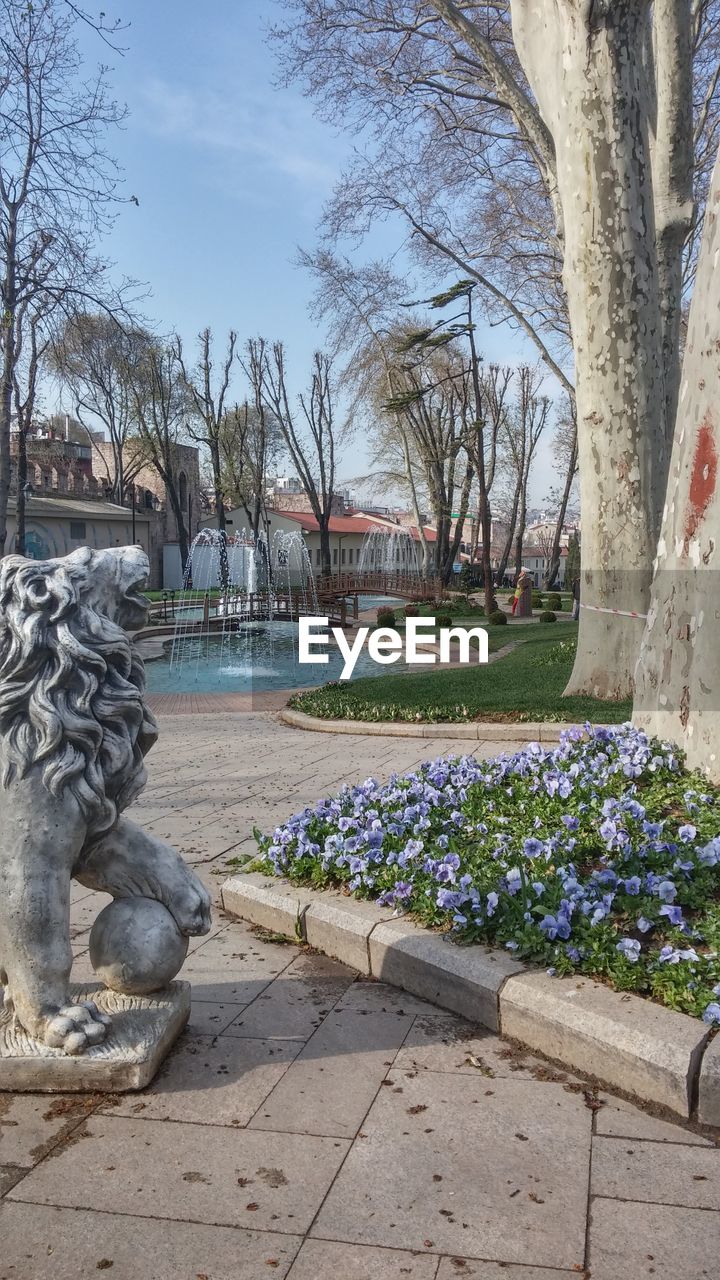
313 1125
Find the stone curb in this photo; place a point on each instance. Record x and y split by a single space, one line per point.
482 731
623 1041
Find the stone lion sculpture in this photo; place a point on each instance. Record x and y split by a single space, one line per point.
74 730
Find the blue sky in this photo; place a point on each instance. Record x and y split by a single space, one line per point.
231 174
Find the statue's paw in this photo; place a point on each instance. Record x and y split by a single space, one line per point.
191 908
76 1027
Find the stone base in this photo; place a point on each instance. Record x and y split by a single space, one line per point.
144 1028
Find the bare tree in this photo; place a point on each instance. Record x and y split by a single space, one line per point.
207 396
566 455
33 338
523 427
249 444
95 358
361 303
160 403
57 184
308 430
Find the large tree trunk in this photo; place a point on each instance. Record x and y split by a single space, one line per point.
583 62
678 675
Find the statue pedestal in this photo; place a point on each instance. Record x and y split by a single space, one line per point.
143 1030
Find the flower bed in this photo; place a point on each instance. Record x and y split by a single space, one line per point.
601 856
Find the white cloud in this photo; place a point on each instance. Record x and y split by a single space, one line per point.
275 131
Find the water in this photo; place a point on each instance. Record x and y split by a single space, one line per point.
250 579
379 602
389 549
256 657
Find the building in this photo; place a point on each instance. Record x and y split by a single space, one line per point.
66 466
536 561
287 493
56 526
347 534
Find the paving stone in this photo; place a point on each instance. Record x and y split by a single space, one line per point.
211 1017
459 1268
620 1119
233 968
380 997
40 1243
630 1241
341 926
32 1124
478 1164
330 1086
294 1005
190 1173
10 1175
326 1260
629 1043
629 1169
213 1080
446 1043
709 1085
466 980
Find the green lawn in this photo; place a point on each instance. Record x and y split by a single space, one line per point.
527 684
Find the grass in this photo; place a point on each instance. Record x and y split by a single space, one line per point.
527 684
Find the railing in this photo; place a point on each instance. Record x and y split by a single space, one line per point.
379 583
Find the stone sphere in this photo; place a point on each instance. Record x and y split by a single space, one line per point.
136 946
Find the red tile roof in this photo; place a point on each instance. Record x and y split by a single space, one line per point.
349 524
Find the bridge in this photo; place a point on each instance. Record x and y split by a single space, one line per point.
407 586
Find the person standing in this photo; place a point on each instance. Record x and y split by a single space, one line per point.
522 600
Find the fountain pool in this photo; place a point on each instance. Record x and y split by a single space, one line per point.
255 658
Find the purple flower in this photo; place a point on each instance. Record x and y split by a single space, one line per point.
711 1014
687 833
532 847
632 885
492 901
674 914
643 925
666 891
630 948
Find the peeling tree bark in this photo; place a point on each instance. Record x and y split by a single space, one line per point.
678 674
583 61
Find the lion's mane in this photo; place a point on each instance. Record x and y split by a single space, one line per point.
71 690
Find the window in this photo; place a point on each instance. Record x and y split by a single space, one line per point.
318 557
343 556
334 555
350 555
77 530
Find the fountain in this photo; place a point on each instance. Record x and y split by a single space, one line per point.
389 550
235 588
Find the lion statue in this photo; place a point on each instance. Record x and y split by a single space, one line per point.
74 730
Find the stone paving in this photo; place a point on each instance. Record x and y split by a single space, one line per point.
310 1124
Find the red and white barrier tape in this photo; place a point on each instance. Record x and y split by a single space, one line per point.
623 613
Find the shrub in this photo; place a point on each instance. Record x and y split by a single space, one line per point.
511 597
386 617
498 619
411 611
554 600
537 600
547 615
443 620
